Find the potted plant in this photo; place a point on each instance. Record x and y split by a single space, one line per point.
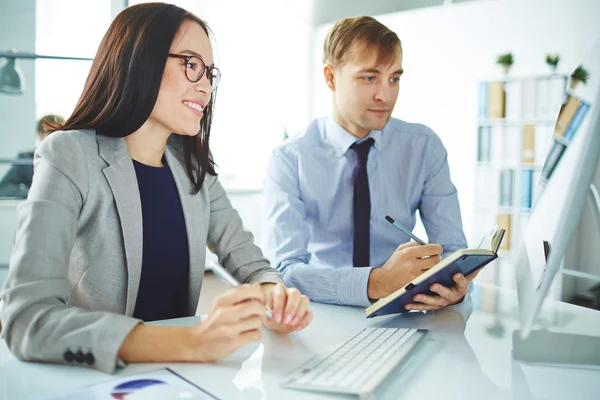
505 61
552 61
580 75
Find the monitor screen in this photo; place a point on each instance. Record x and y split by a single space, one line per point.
568 171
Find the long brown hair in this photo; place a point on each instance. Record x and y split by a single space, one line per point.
124 80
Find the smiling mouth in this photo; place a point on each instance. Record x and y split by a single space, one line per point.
194 106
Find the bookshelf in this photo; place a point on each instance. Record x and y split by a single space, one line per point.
516 124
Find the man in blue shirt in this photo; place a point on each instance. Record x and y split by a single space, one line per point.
329 189
17 181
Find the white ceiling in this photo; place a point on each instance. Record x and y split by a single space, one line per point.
326 11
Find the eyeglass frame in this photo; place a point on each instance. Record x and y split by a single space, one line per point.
207 69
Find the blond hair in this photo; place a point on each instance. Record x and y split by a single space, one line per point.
361 31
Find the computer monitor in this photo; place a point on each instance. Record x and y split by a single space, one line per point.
557 211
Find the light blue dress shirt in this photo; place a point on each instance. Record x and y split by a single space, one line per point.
308 232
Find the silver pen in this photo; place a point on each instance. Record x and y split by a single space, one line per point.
227 277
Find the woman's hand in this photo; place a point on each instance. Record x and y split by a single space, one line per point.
232 322
289 307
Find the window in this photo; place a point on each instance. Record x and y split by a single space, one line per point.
262 49
66 28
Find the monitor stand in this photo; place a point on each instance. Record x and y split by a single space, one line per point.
557 349
595 203
543 347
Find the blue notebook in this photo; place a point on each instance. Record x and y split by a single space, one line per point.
465 261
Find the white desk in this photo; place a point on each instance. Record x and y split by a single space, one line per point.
460 361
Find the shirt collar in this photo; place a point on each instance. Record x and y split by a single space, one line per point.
341 139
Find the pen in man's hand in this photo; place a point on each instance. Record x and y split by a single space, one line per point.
403 229
227 277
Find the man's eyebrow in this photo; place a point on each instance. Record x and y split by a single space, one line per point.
370 70
376 71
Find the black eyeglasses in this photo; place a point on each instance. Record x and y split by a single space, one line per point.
195 68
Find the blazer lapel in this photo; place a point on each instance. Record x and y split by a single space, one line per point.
192 213
122 180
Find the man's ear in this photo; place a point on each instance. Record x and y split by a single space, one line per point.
329 75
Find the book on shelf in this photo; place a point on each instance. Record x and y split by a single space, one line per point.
526 189
503 221
554 155
496 100
506 186
566 114
484 144
576 121
528 144
483 100
559 147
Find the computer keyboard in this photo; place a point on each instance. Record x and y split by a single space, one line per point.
358 364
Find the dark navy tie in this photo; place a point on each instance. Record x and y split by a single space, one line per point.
361 205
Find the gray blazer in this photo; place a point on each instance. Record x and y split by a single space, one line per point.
74 271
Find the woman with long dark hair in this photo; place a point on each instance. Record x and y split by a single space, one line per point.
124 200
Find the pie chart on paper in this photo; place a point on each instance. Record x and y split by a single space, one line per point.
121 391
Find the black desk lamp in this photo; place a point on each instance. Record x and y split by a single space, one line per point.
11 78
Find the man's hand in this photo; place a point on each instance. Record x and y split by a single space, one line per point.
446 296
408 261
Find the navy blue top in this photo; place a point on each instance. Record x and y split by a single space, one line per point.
163 291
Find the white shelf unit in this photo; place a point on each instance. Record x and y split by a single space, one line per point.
530 106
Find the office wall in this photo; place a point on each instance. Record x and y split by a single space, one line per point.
17 113
449 49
